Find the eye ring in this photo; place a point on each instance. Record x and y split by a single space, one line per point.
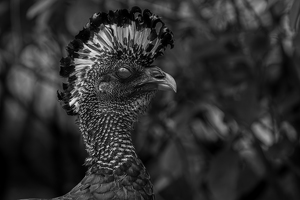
123 73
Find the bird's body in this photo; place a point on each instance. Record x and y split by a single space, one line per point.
110 83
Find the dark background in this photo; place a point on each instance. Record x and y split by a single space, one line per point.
231 132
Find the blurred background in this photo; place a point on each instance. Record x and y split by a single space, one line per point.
231 132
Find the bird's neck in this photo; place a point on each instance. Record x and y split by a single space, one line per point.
107 136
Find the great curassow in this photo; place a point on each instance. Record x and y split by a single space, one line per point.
110 81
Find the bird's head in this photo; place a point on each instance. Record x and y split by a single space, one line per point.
110 61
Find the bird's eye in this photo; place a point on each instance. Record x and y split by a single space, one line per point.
123 73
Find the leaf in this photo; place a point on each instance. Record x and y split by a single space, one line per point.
244 106
295 15
247 180
177 190
39 7
170 160
79 13
256 43
223 175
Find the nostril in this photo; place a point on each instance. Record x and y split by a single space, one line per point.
158 74
161 76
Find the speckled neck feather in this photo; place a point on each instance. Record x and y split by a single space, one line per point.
107 132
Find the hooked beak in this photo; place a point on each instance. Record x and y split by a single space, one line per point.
160 79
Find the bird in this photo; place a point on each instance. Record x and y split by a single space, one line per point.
111 80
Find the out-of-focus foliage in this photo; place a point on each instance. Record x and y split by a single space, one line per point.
231 132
